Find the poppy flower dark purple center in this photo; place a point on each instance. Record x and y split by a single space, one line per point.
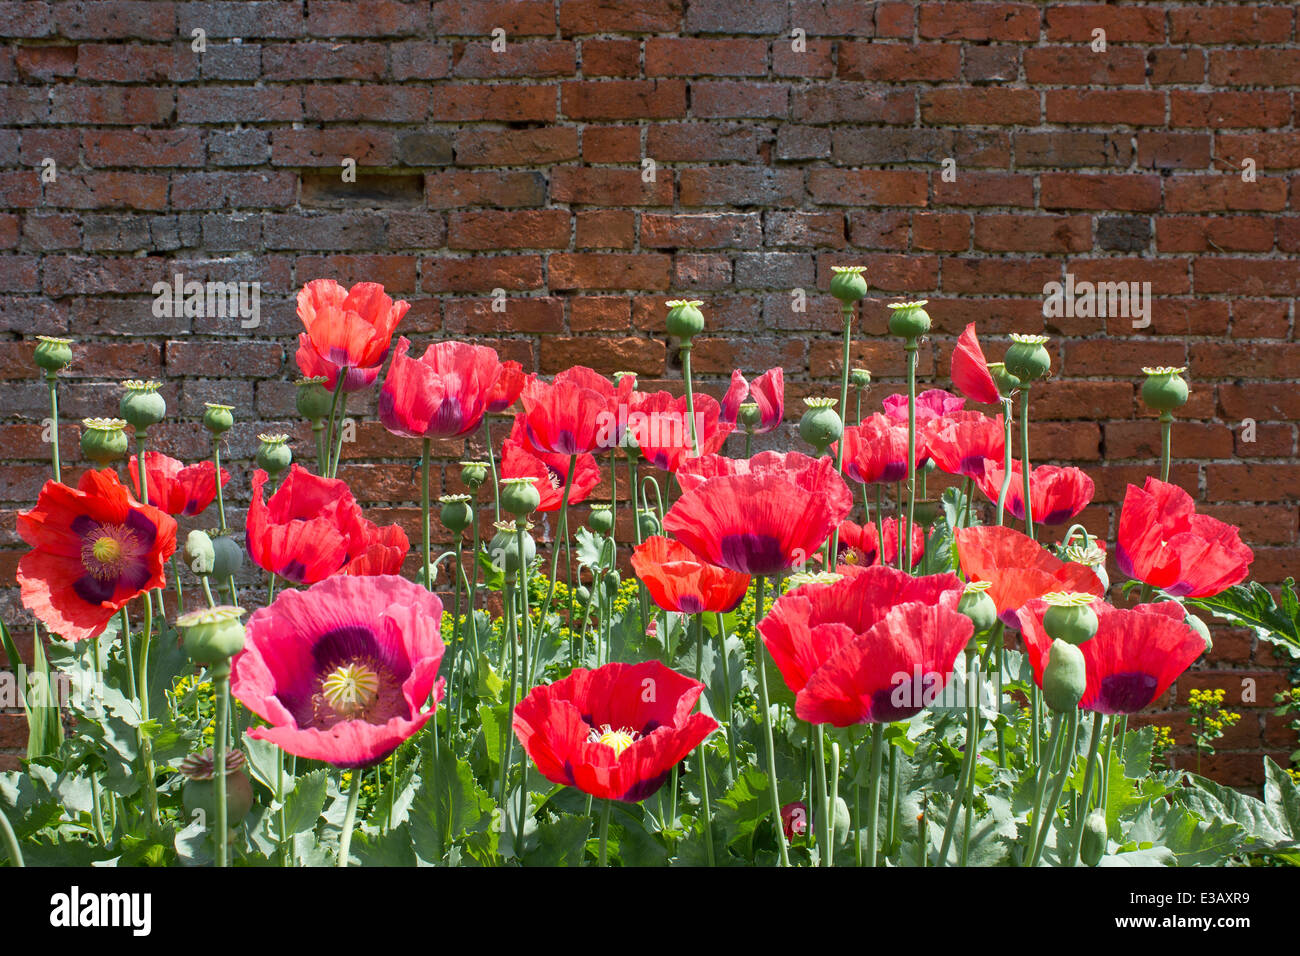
753 554
1126 693
113 555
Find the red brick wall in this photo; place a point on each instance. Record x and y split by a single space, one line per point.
522 170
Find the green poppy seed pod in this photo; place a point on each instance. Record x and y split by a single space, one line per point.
274 454
53 354
229 556
611 582
1006 382
103 440
519 496
583 594
749 416
473 473
457 513
648 522
1199 626
926 511
859 378
1070 617
820 425
313 398
200 554
909 320
212 635
1164 388
1092 843
199 792
685 320
142 406
218 418
503 549
1026 358
848 284
976 604
601 519
1092 557
1065 678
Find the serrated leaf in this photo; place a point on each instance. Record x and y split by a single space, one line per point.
302 807
561 842
1251 605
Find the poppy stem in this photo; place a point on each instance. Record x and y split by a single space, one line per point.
891 799
704 769
873 794
492 463
963 778
327 472
1082 815
910 346
1024 459
350 818
1166 428
1007 425
54 439
765 702
726 692
605 807
642 598
834 801
216 463
207 590
823 799
176 579
561 534
846 311
338 438
425 454
1058 786
1043 771
690 395
318 429
967 491
220 688
880 526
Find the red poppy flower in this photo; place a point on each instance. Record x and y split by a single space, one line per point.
1018 568
860 545
1131 660
930 404
661 427
962 442
93 550
615 732
794 819
312 528
442 394
177 488
1058 493
342 670
768 520
874 647
1163 542
876 451
767 391
547 469
576 413
679 581
970 370
348 330
507 388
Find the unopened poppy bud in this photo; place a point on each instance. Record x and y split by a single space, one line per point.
619 376
103 440
519 496
218 418
1026 358
313 398
1070 617
200 554
142 406
1065 678
1006 382
473 473
1199 626
212 635
504 549
274 454
976 604
601 519
1164 388
457 513
909 320
648 522
685 320
749 416
229 556
859 378
611 582
1092 843
848 284
583 594
821 425
53 354
199 794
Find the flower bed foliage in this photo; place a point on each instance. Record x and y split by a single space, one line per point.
813 661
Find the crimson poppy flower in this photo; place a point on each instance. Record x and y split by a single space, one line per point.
874 647
876 451
312 528
860 543
931 404
94 548
1058 493
767 391
547 469
1018 568
1163 542
576 413
507 388
661 426
679 581
348 331
615 732
343 670
442 394
970 370
175 487
961 443
795 819
1131 660
766 521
